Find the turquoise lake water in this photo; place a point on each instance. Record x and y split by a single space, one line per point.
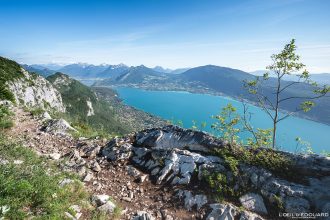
186 107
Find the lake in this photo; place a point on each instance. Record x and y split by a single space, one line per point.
187 107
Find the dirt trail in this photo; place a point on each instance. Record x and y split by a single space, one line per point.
111 179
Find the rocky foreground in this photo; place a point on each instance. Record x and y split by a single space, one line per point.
159 173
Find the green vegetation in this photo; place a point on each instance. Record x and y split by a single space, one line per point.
36 111
219 183
29 185
229 124
9 71
5 118
287 62
224 184
75 96
86 130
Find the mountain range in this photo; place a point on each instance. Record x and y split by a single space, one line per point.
90 71
217 80
209 79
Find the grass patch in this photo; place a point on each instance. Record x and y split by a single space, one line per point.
37 111
85 130
5 118
32 187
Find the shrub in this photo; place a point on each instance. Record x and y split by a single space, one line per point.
5 117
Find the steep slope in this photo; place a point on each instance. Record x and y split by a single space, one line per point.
22 87
99 108
84 107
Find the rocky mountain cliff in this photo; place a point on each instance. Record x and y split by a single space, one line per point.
29 89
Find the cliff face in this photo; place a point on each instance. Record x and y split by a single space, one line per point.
183 158
35 91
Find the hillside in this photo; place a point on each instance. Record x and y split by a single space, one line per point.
104 112
139 74
28 89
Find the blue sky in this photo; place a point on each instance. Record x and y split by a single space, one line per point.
170 33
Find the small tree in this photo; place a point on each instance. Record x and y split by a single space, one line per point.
287 62
227 123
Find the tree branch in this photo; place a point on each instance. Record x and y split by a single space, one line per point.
302 97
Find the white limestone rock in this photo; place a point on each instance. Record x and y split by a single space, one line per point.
253 202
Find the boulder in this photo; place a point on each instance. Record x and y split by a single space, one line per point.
230 212
191 201
107 207
296 205
54 156
117 150
170 137
132 171
45 116
253 202
99 200
96 167
89 176
58 126
222 212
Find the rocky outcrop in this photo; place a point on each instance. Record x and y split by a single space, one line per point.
181 157
58 126
35 91
90 111
171 137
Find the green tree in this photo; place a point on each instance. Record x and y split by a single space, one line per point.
287 62
227 123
